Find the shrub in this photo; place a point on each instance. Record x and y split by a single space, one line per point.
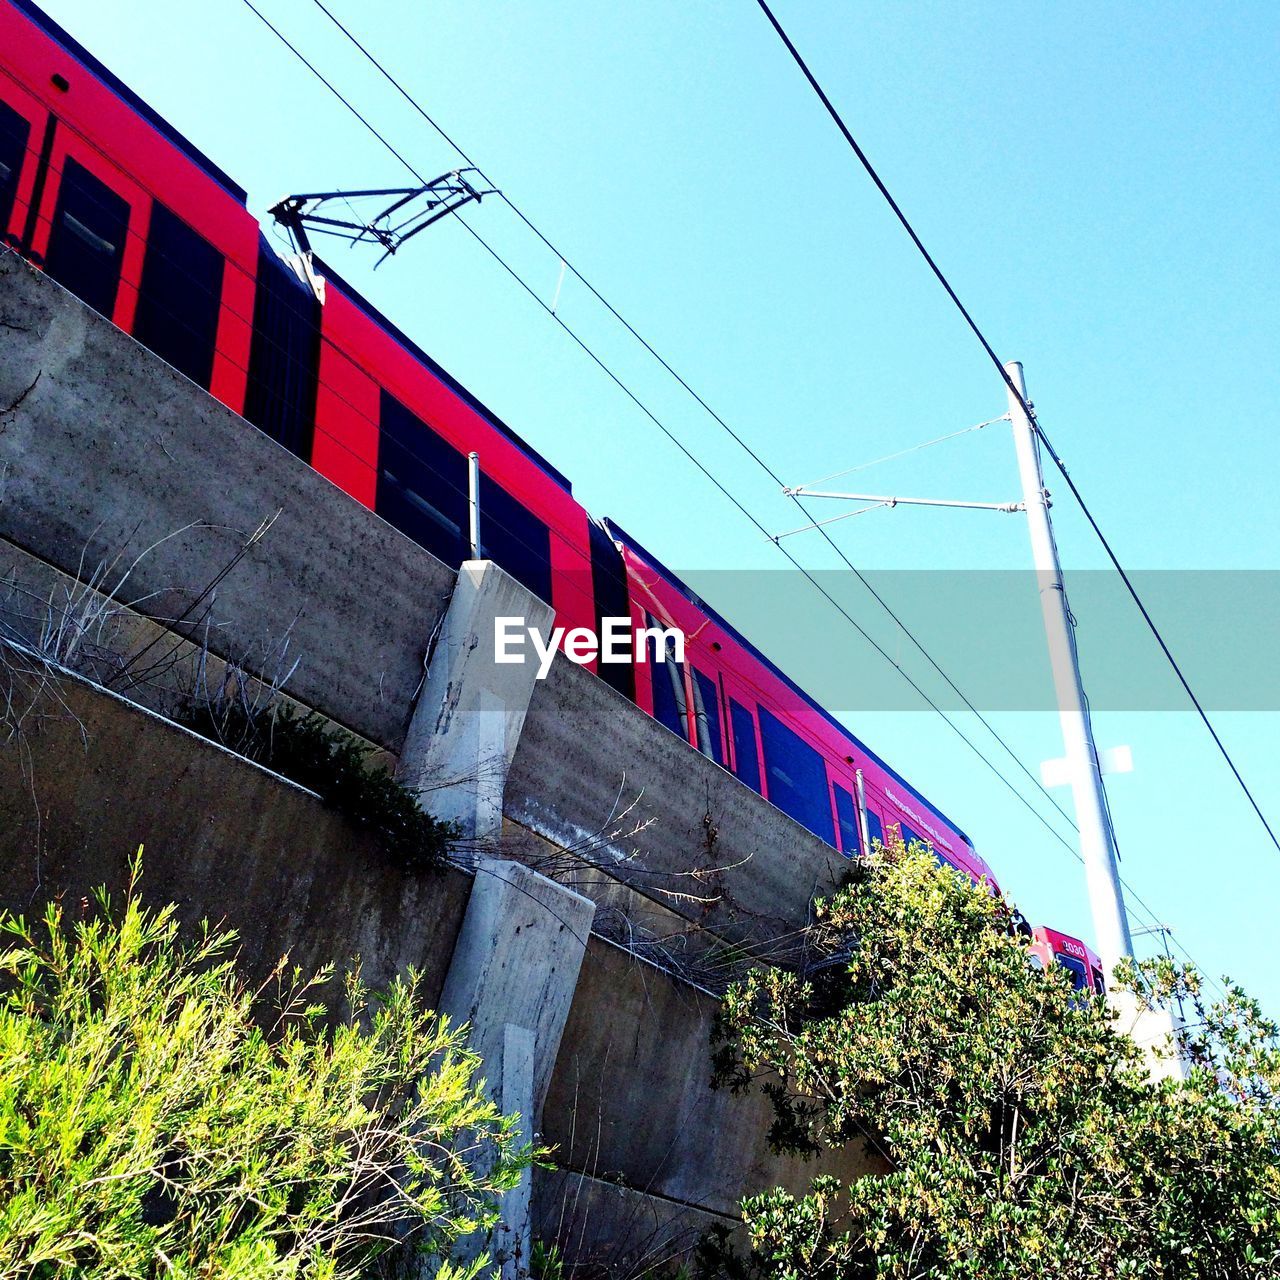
1017 1133
159 1118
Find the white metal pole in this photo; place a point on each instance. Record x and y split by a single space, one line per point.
473 494
1097 841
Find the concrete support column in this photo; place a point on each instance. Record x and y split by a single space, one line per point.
467 719
1155 1031
512 979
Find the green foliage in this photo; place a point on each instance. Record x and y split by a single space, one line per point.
1007 1129
335 765
160 1119
545 1262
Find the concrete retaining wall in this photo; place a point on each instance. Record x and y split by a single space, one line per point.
93 777
107 452
586 751
111 452
629 1108
631 1100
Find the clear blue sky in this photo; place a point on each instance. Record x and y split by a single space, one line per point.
1100 183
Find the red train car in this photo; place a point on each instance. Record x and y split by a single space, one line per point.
1049 947
728 700
123 211
101 192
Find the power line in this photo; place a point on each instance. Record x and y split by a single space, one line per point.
734 435
902 453
672 436
1155 631
680 445
1025 405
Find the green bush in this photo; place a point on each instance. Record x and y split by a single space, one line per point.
159 1118
1010 1131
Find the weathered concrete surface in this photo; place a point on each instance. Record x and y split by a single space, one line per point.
513 1236
72 623
516 963
467 719
646 925
605 1228
631 1099
111 451
586 753
94 777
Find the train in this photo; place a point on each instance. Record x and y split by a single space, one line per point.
102 194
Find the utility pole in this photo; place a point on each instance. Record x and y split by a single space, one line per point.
1082 767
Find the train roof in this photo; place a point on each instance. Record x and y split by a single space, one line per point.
122 90
720 621
443 374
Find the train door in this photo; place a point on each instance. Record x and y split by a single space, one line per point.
707 714
610 599
24 124
743 734
87 224
180 300
845 804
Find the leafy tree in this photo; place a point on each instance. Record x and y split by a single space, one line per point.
1017 1133
159 1118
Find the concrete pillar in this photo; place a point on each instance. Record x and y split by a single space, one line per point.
512 978
513 1235
1156 1033
467 719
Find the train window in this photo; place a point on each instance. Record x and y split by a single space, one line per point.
706 706
1079 975
1098 985
14 132
86 245
847 818
746 755
515 538
797 776
909 837
284 357
609 591
875 829
669 705
422 483
180 295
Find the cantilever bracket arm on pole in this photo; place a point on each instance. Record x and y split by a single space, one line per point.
875 500
885 500
410 210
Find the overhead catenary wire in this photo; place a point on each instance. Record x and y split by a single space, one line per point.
752 453
674 440
902 453
760 528
1027 408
